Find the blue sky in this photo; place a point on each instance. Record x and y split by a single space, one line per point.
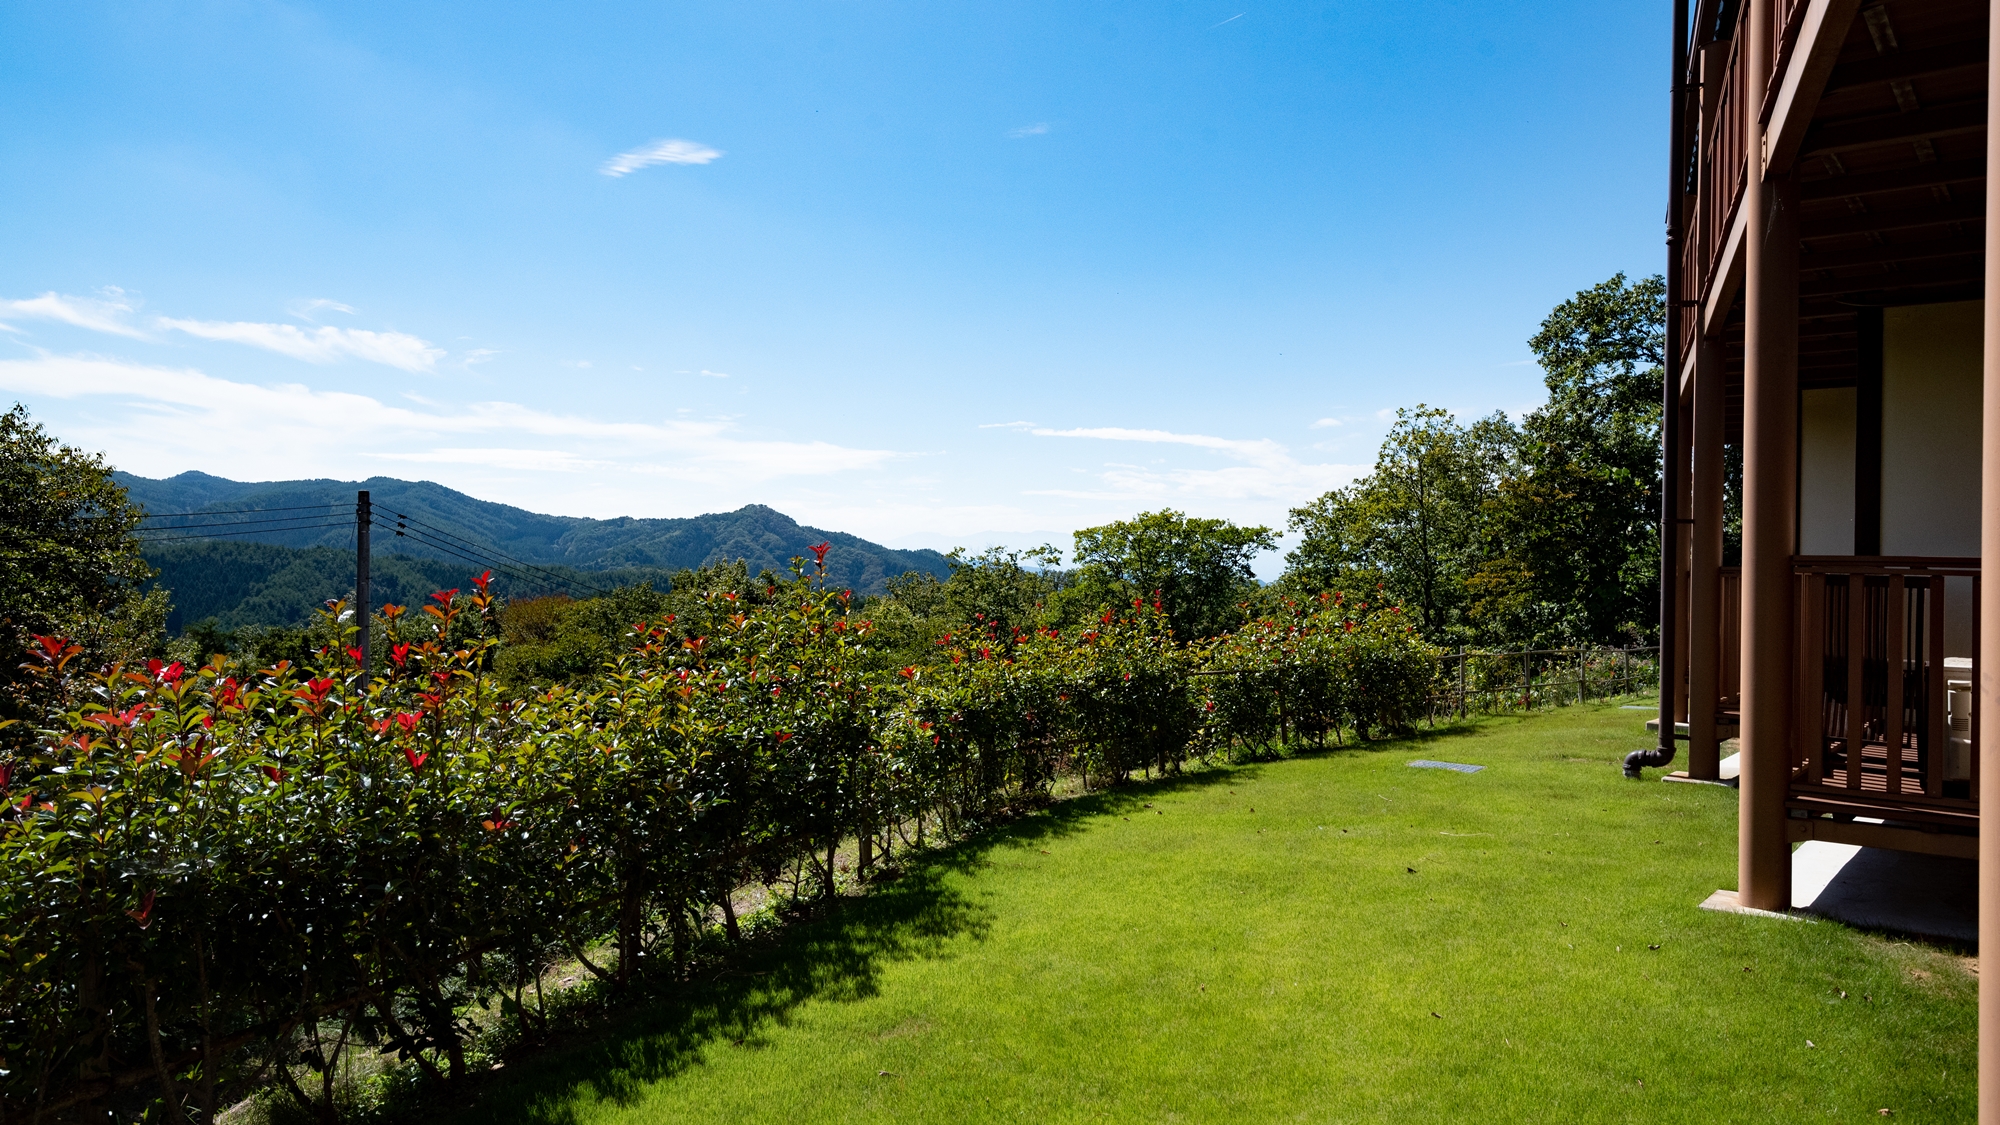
933 274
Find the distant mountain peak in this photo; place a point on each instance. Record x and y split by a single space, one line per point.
442 523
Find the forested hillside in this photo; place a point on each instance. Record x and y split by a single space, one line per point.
248 584
276 573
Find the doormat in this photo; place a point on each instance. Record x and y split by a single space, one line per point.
1461 767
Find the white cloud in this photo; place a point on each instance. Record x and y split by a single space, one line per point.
162 420
714 374
1006 425
107 313
304 310
1324 423
1256 449
1267 478
1037 129
672 151
320 345
529 460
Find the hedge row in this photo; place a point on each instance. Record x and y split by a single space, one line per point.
218 875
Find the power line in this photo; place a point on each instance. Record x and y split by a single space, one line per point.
527 579
143 538
502 554
438 531
239 511
236 523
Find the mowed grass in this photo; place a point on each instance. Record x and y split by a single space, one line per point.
1337 937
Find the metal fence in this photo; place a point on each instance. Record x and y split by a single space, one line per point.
1502 682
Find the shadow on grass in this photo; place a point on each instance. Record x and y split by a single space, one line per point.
838 956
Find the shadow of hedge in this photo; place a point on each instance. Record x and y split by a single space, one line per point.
837 956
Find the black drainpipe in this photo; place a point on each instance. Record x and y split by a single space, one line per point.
1672 470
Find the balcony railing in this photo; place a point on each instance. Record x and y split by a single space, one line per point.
1885 722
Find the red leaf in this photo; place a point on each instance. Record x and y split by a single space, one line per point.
416 760
144 915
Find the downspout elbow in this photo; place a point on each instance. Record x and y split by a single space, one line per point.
1656 758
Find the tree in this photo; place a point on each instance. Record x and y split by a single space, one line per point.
1415 524
69 559
1577 525
1198 569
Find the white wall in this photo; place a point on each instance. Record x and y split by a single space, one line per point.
1930 443
1930 429
1826 471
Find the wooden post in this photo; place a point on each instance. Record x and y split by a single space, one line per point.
1683 452
1770 499
364 515
1705 586
1987 656
1461 681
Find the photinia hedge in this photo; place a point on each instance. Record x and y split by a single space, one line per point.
220 875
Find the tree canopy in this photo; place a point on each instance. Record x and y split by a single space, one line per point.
1539 533
69 561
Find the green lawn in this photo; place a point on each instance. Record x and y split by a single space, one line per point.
1332 938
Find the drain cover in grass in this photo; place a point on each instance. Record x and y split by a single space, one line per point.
1461 767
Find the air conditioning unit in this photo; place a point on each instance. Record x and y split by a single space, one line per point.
1958 718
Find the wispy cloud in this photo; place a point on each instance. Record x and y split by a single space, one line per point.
320 345
1254 448
1266 472
1037 129
672 151
305 310
1006 425
1231 19
706 373
108 312
1325 423
168 419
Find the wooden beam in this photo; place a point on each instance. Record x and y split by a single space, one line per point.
1908 64
1887 128
1728 278
1883 836
1943 271
1916 251
1894 179
1817 49
1901 218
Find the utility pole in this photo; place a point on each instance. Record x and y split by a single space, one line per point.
364 515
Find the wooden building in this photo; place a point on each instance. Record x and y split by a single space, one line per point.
1829 236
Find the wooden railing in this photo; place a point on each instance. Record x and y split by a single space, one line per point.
1877 699
1720 160
1729 668
1786 18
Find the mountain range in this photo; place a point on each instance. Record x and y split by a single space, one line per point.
268 553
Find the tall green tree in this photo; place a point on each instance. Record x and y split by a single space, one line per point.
1198 569
1414 525
69 560
1575 533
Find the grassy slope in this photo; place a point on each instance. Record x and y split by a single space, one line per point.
1201 961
